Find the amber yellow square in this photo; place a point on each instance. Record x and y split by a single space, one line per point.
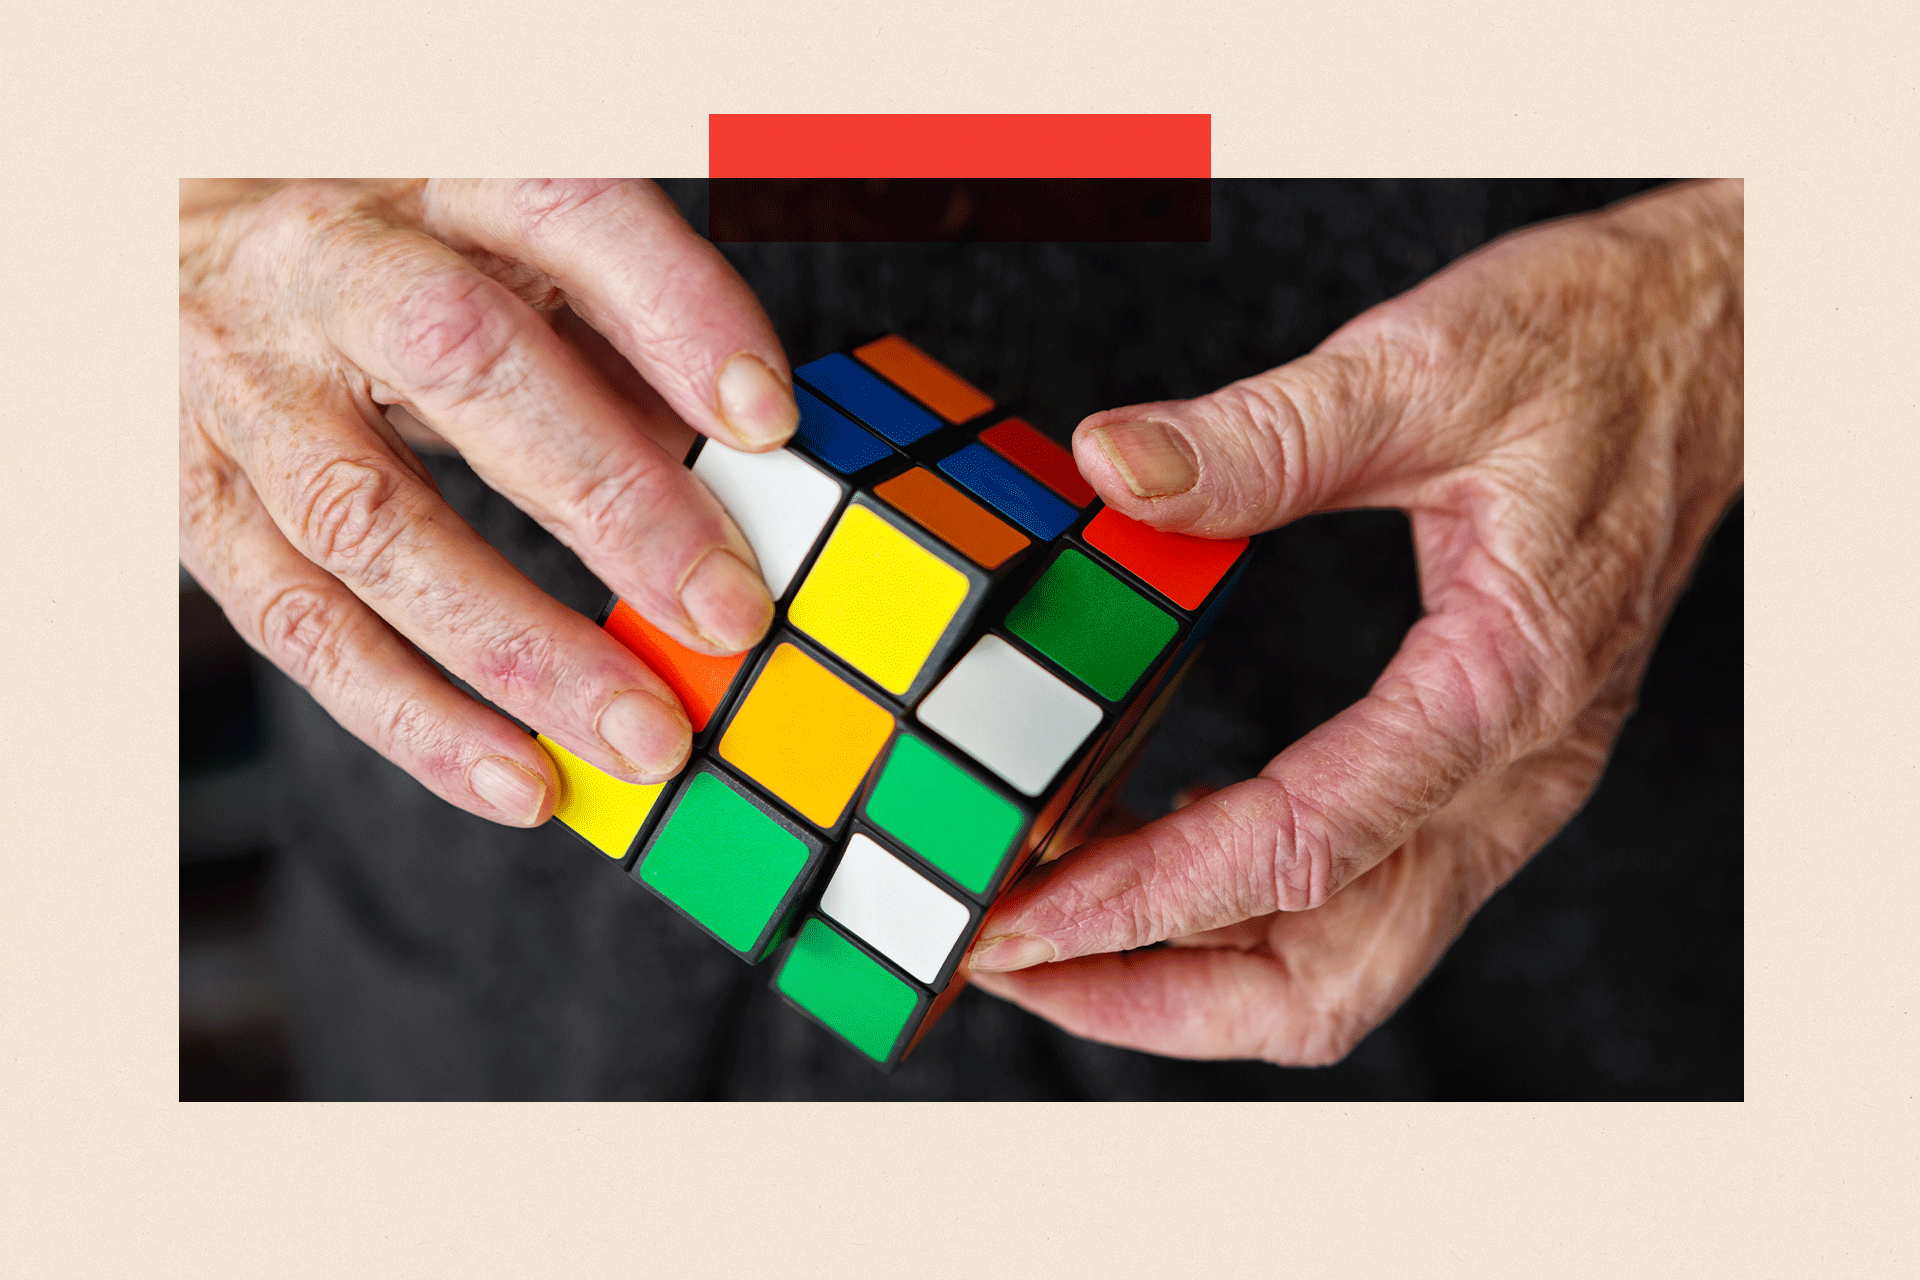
603 810
806 735
878 599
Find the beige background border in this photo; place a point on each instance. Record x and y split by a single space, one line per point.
102 1173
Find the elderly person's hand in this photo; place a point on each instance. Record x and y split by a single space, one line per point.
1560 414
567 338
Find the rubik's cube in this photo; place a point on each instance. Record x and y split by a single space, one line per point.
967 653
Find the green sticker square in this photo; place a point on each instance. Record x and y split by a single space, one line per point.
1097 627
724 862
847 989
943 813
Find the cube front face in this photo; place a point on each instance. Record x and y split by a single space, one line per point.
805 734
731 863
852 993
959 671
898 910
947 815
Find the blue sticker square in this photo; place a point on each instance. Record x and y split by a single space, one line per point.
833 437
867 398
1017 495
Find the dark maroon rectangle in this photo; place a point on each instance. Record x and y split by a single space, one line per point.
925 210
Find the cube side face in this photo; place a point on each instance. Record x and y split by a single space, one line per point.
968 652
1112 659
1010 714
780 500
806 732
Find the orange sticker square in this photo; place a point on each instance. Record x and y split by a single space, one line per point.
699 681
806 735
924 378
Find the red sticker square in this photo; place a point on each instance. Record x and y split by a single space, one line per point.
1180 566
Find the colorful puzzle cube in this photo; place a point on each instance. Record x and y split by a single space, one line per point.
967 653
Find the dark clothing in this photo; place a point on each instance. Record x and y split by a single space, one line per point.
435 955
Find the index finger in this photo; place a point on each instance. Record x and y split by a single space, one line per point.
624 258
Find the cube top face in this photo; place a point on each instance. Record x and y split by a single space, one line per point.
780 501
1018 442
954 518
867 399
1181 567
924 378
961 663
1013 492
834 438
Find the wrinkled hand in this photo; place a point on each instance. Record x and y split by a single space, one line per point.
308 309
1560 414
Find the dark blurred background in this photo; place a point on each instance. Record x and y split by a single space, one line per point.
1610 968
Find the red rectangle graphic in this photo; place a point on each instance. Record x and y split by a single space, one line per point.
960 146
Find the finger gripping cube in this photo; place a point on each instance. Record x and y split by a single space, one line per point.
967 654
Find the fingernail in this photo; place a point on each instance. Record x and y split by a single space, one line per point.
756 404
1010 951
650 736
510 788
727 602
1153 458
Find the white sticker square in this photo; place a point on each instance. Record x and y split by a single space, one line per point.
894 909
780 501
1009 713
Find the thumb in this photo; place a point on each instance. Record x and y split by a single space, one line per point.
1312 434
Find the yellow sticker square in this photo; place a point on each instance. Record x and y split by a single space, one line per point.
878 599
603 810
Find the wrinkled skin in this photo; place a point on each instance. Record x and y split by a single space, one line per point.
1560 415
568 338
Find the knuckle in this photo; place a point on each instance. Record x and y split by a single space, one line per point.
212 486
1259 434
313 231
349 514
452 338
518 668
1294 853
607 509
1303 865
553 208
1530 679
304 632
407 731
